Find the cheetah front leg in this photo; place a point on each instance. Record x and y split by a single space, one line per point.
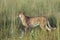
26 29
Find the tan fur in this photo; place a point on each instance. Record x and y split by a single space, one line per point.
34 21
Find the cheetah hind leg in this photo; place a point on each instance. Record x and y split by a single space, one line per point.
43 27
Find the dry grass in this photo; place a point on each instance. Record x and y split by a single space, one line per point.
9 23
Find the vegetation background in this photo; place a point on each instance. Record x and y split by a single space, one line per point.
10 24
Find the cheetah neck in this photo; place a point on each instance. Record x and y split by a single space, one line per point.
23 19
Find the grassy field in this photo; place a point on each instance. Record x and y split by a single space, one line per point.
10 24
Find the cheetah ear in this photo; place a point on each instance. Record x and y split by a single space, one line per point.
20 12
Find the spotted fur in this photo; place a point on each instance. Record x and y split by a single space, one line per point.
42 21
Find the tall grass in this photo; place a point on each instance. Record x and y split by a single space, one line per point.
10 25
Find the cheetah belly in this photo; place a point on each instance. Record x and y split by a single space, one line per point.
33 25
